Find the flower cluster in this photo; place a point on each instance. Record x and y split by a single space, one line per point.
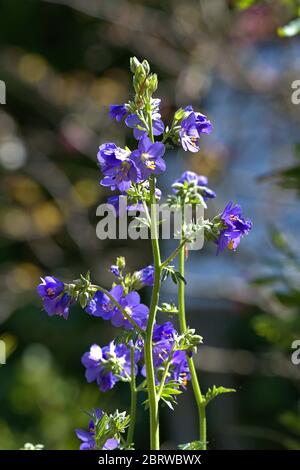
107 365
121 167
110 364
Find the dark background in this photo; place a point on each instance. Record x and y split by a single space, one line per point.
63 63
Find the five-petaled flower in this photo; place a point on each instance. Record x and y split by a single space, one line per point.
148 158
146 276
107 365
55 301
102 306
117 167
191 128
118 111
235 227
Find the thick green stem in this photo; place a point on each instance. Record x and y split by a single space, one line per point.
183 327
148 348
153 398
133 394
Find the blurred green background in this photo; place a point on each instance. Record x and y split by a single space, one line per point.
64 62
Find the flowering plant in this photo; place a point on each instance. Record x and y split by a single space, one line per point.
153 358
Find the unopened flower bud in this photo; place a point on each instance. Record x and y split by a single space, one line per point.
134 63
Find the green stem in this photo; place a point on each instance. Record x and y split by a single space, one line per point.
195 382
148 348
174 253
165 374
133 391
153 399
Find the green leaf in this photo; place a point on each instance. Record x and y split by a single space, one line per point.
215 391
168 395
194 445
175 275
265 280
280 241
168 308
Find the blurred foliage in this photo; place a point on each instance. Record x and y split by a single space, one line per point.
288 178
290 29
279 323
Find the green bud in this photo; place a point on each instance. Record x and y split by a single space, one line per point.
140 73
134 63
146 66
179 114
83 299
153 83
121 263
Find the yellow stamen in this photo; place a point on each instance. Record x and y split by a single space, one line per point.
151 165
184 379
50 292
146 158
230 245
128 311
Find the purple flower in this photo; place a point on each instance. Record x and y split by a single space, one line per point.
115 270
50 287
192 179
191 128
164 331
88 438
209 193
102 306
58 306
118 111
146 276
107 365
133 307
236 226
163 341
133 121
118 168
180 369
55 301
148 157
